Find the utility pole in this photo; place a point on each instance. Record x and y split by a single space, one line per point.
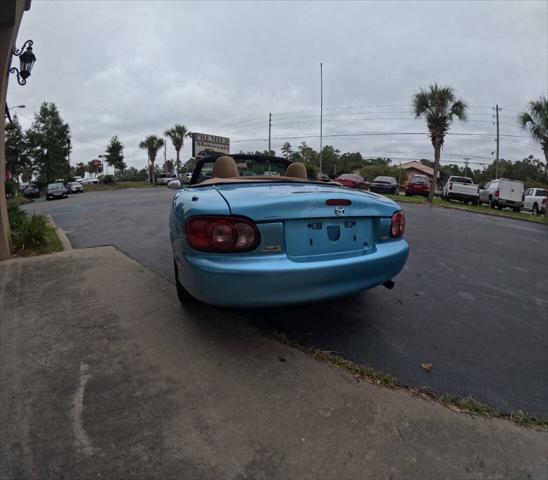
466 160
321 113
269 131
498 140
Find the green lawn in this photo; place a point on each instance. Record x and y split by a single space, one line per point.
116 186
471 208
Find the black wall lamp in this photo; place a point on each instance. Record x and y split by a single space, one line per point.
26 62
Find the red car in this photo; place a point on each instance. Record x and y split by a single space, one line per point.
418 185
352 180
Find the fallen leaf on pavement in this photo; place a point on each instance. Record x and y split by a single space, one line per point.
426 366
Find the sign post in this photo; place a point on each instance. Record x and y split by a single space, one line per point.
203 143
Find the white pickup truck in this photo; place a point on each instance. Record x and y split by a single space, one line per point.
461 188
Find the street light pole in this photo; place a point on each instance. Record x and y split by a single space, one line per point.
321 113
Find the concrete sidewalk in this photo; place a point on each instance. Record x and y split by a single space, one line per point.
104 375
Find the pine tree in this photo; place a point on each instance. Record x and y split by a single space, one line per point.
48 142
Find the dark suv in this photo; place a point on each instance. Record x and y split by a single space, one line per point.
56 190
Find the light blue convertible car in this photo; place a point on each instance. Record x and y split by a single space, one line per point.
254 231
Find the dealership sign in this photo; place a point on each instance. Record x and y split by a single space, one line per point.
202 144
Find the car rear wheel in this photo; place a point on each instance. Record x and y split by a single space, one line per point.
535 209
182 293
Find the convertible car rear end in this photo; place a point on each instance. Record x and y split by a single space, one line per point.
263 241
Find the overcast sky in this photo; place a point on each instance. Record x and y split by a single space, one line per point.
136 68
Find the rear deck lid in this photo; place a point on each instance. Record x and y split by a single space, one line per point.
286 201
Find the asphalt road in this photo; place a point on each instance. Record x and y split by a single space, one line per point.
472 299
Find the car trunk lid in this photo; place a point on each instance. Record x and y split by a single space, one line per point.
312 227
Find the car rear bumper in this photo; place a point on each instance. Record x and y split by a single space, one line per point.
417 191
464 197
508 203
263 280
377 189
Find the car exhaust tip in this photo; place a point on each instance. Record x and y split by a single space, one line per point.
389 284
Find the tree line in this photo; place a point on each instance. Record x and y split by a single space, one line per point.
44 149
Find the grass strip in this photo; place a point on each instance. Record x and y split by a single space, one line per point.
438 202
467 405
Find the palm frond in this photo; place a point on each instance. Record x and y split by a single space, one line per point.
535 120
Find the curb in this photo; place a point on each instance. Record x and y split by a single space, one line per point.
60 233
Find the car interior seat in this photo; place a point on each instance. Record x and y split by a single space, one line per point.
296 170
225 167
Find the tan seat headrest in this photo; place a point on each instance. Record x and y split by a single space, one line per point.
225 167
296 170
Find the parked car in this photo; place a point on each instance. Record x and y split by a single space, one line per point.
56 190
74 187
262 241
350 180
461 188
384 185
418 185
165 179
534 200
502 193
89 181
31 191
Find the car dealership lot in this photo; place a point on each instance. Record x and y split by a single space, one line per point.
471 300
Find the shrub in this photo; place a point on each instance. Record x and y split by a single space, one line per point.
11 188
108 179
15 214
29 232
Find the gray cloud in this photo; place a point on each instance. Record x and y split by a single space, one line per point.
136 68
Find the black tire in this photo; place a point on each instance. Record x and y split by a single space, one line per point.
182 293
535 210
491 202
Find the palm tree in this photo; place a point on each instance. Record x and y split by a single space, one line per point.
438 106
535 121
178 134
152 144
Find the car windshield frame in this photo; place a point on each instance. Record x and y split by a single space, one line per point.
385 179
197 177
351 176
419 179
466 180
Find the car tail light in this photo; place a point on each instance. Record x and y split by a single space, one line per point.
222 234
398 225
496 193
338 201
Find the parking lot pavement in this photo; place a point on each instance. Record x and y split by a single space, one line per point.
472 299
104 375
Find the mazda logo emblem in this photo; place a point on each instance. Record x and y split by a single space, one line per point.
339 211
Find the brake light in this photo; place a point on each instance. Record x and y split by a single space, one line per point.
338 201
496 193
398 225
222 234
